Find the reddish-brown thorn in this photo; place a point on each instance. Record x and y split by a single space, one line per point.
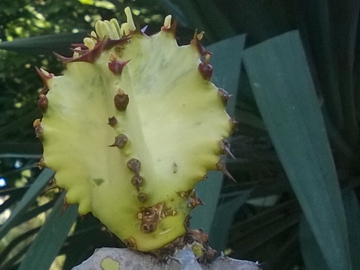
196 42
45 78
224 95
221 167
225 146
205 68
121 100
89 56
117 67
64 208
52 185
80 51
112 121
77 45
110 43
43 103
120 141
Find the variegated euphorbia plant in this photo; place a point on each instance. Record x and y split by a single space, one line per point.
131 127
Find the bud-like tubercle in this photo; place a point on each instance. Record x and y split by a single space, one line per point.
167 120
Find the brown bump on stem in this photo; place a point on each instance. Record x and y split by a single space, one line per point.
137 180
196 42
142 197
134 165
205 68
130 243
151 216
120 141
43 103
199 235
193 201
116 67
224 95
38 129
121 100
221 167
225 147
112 121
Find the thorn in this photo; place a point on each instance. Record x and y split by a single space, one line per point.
41 163
196 42
225 146
45 77
171 29
120 141
117 67
121 100
110 43
221 167
205 68
52 185
89 56
80 45
62 59
64 208
224 95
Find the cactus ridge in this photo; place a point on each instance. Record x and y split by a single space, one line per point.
131 127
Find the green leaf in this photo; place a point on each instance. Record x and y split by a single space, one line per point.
51 237
285 94
29 197
352 212
44 44
223 218
226 62
310 249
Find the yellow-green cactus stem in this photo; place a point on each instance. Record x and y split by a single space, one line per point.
131 127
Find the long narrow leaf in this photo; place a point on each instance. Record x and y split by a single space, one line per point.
29 197
285 94
51 237
226 62
44 44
